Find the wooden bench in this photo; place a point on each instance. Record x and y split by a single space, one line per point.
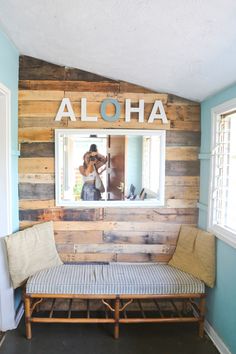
113 285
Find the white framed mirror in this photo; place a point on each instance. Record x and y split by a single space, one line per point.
130 164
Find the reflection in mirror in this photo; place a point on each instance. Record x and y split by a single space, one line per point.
109 167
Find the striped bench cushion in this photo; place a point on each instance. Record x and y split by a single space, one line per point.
114 278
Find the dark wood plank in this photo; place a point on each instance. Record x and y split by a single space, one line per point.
58 214
182 168
173 99
37 149
73 74
35 69
182 138
39 191
185 113
128 87
140 237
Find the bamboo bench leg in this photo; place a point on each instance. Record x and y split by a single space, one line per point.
202 316
27 318
117 315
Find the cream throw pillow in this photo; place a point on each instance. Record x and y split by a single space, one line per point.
195 254
30 251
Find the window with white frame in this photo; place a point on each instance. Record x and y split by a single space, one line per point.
223 178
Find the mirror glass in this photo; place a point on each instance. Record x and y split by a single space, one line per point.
109 167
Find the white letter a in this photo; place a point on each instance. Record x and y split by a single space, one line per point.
161 115
65 103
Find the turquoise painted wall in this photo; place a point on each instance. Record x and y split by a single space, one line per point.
221 305
9 67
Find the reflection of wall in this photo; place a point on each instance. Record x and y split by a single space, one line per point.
42 86
134 163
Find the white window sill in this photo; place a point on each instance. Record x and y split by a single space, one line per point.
224 234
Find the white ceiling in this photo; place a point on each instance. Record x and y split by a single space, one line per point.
184 47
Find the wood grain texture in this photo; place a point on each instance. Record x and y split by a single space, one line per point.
40 191
36 150
36 69
182 152
103 234
182 138
182 168
36 165
76 86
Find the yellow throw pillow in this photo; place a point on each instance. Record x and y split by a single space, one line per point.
195 254
30 251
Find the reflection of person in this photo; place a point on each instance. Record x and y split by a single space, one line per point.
92 162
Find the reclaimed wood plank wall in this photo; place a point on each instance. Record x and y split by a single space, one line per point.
103 234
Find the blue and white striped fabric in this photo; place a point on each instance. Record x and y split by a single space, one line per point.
114 278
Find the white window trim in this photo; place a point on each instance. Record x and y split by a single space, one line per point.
100 204
222 233
7 311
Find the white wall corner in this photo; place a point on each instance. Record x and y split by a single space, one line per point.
220 345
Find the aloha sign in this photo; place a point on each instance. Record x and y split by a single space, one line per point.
157 112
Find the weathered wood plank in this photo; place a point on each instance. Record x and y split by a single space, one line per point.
111 225
185 125
181 203
75 96
128 87
37 122
37 150
36 69
85 257
120 248
173 99
36 191
182 181
123 257
39 108
36 165
181 192
179 216
140 237
182 153
35 134
40 95
78 237
26 204
119 124
57 214
146 212
182 168
82 86
36 178
147 97
189 113
73 74
182 138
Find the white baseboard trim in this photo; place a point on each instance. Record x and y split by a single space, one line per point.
19 315
216 339
2 337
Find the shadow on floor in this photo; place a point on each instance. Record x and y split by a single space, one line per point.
98 339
